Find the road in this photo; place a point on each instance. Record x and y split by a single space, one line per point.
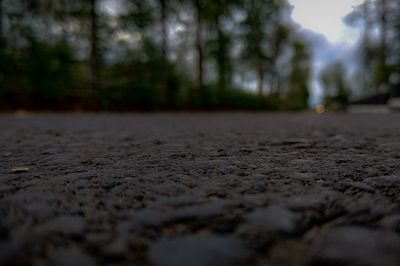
200 189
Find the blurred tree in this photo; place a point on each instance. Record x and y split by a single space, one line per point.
254 37
164 12
154 53
220 14
2 41
94 50
362 17
266 33
50 73
382 73
300 76
378 57
281 43
199 43
335 84
393 57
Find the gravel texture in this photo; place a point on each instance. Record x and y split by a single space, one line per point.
200 189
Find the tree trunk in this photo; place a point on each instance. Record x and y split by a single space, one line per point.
366 45
222 58
199 47
276 51
367 30
94 53
261 77
163 6
164 47
2 41
383 44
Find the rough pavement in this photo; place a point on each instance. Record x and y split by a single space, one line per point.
200 189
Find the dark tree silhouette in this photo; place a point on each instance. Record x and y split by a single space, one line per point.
148 54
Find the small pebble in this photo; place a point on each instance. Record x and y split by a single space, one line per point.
19 169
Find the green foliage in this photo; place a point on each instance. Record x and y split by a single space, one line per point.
39 76
299 77
50 72
152 54
139 83
233 99
335 85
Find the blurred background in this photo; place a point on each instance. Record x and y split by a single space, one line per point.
197 54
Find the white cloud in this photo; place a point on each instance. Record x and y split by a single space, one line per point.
325 17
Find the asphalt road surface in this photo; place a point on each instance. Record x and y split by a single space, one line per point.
200 189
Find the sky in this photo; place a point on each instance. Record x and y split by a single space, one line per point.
322 21
325 17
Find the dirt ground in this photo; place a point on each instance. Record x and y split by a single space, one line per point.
200 189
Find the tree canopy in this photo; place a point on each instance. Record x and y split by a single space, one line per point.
151 54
